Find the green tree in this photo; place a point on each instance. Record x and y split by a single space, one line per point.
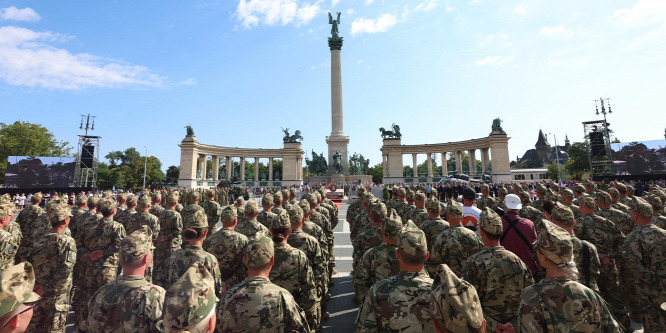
173 173
377 173
26 139
578 164
553 172
125 170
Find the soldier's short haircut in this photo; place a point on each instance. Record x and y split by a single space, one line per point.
413 259
107 212
491 236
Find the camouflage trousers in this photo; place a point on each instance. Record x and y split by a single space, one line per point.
628 284
313 317
610 291
51 314
78 297
654 319
160 256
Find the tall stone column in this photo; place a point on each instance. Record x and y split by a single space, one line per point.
256 168
270 168
484 159
415 165
188 162
430 174
458 156
202 165
241 172
445 166
228 167
216 167
337 141
472 162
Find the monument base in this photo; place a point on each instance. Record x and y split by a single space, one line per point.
340 179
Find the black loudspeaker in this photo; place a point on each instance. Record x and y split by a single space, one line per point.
87 156
597 143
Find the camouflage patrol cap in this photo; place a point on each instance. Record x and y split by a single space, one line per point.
587 201
579 188
16 284
588 183
266 200
190 300
454 302
419 196
604 198
107 194
653 200
106 205
136 245
524 196
630 190
661 194
144 201
59 214
555 187
93 200
38 195
614 193
454 209
251 208
378 211
277 198
131 199
641 206
310 199
172 198
402 192
210 193
282 220
259 252
293 192
305 206
551 196
156 196
432 205
392 224
562 214
194 196
554 243
490 222
410 195
82 199
196 220
229 214
502 191
540 189
295 213
121 196
621 187
368 198
413 242
285 193
485 186
6 210
361 190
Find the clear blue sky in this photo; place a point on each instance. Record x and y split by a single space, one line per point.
237 71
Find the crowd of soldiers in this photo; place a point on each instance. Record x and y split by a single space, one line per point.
572 260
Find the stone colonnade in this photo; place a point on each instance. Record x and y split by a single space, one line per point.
495 145
193 157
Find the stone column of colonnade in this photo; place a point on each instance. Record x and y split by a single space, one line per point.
430 173
270 169
472 162
216 167
415 170
241 173
458 156
445 165
256 169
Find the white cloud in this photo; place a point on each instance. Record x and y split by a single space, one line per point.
27 60
274 12
499 39
491 61
448 8
555 30
15 14
644 11
350 11
368 2
520 9
335 2
360 61
381 24
189 81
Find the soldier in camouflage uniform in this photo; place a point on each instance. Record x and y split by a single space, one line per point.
541 192
242 218
88 219
266 217
8 245
228 246
277 203
189 304
485 200
455 244
608 240
372 235
124 215
380 262
250 227
418 214
257 305
129 303
354 208
401 205
54 256
77 214
498 275
615 195
212 210
171 227
558 303
501 194
657 219
121 202
292 270
434 225
362 218
529 212
195 228
156 205
314 230
567 200
144 218
454 304
26 219
193 206
321 220
399 303
579 189
644 252
17 298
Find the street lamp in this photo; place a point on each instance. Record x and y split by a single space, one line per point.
603 111
557 159
145 164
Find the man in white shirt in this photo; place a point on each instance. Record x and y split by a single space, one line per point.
471 214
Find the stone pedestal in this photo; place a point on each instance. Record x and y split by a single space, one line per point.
338 144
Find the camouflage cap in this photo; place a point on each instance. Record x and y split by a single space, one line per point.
432 205
579 188
277 198
106 205
588 183
144 201
410 195
285 193
567 193
641 206
454 302
107 194
6 210
293 192
131 199
604 198
614 193
81 200
524 196
653 200
485 186
38 195
229 214
93 200
259 252
454 209
121 196
620 187
540 189
419 196
210 193
295 213
251 208
136 245
502 191
661 194
305 206
490 222
402 192
16 284
361 190
630 190
266 200
194 196
190 299
378 211
554 186
59 214
172 198
392 224
315 195
196 220
562 214
587 201
554 243
281 221
413 242
156 196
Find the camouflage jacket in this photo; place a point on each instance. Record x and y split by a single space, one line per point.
538 204
171 227
189 210
324 224
644 250
39 227
155 209
15 230
323 211
558 304
353 210
105 236
601 232
54 257
266 217
659 221
213 213
128 304
499 204
575 210
621 219
499 277
377 264
361 220
124 215
595 263
397 304
452 247
309 245
228 247
75 220
138 220
253 229
27 215
318 233
620 206
182 259
432 228
418 215
532 214
292 272
484 202
367 240
257 305
275 210
8 248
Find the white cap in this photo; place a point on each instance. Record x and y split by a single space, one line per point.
512 201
